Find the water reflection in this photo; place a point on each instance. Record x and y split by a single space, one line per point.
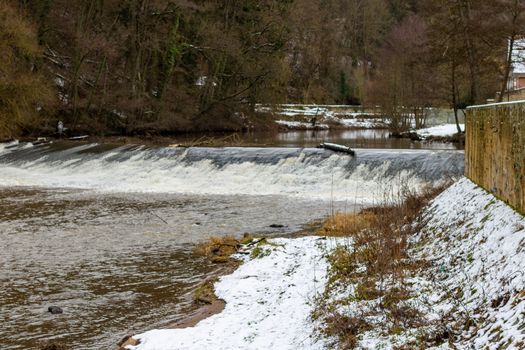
356 138
360 138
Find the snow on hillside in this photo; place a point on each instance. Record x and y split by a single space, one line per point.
471 292
476 244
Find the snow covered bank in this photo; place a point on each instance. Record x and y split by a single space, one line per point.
335 123
476 245
268 303
293 125
298 117
463 286
440 130
362 123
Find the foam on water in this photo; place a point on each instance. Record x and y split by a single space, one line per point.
308 173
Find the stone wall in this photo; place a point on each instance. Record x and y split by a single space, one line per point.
495 150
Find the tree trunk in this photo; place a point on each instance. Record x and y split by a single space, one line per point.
454 94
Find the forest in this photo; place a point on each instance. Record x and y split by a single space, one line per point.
152 67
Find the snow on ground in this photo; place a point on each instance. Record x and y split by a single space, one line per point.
476 244
351 123
301 125
440 130
299 116
472 291
268 303
362 123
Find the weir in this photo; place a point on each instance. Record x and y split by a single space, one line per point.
312 173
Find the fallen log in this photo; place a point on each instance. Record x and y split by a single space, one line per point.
337 148
83 137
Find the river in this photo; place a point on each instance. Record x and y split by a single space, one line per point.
106 231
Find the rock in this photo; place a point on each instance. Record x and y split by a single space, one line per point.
55 310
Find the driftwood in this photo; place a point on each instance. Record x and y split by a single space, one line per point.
337 148
83 137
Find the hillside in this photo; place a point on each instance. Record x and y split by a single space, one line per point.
147 67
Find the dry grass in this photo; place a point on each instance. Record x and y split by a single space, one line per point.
205 293
219 249
347 224
376 264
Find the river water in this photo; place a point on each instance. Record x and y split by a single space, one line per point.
106 231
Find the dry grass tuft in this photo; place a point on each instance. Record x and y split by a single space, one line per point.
205 293
347 224
346 329
218 249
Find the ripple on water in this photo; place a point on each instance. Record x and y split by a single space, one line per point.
108 260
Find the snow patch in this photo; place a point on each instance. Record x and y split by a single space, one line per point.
268 303
440 130
301 125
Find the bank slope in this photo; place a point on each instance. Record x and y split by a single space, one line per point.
475 286
470 290
463 288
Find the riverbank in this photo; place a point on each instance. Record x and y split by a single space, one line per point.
460 284
444 133
268 302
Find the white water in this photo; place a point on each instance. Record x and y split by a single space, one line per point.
312 174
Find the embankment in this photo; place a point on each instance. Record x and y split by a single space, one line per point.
457 284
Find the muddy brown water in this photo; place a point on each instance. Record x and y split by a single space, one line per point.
106 233
109 261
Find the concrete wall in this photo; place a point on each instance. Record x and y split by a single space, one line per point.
495 150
